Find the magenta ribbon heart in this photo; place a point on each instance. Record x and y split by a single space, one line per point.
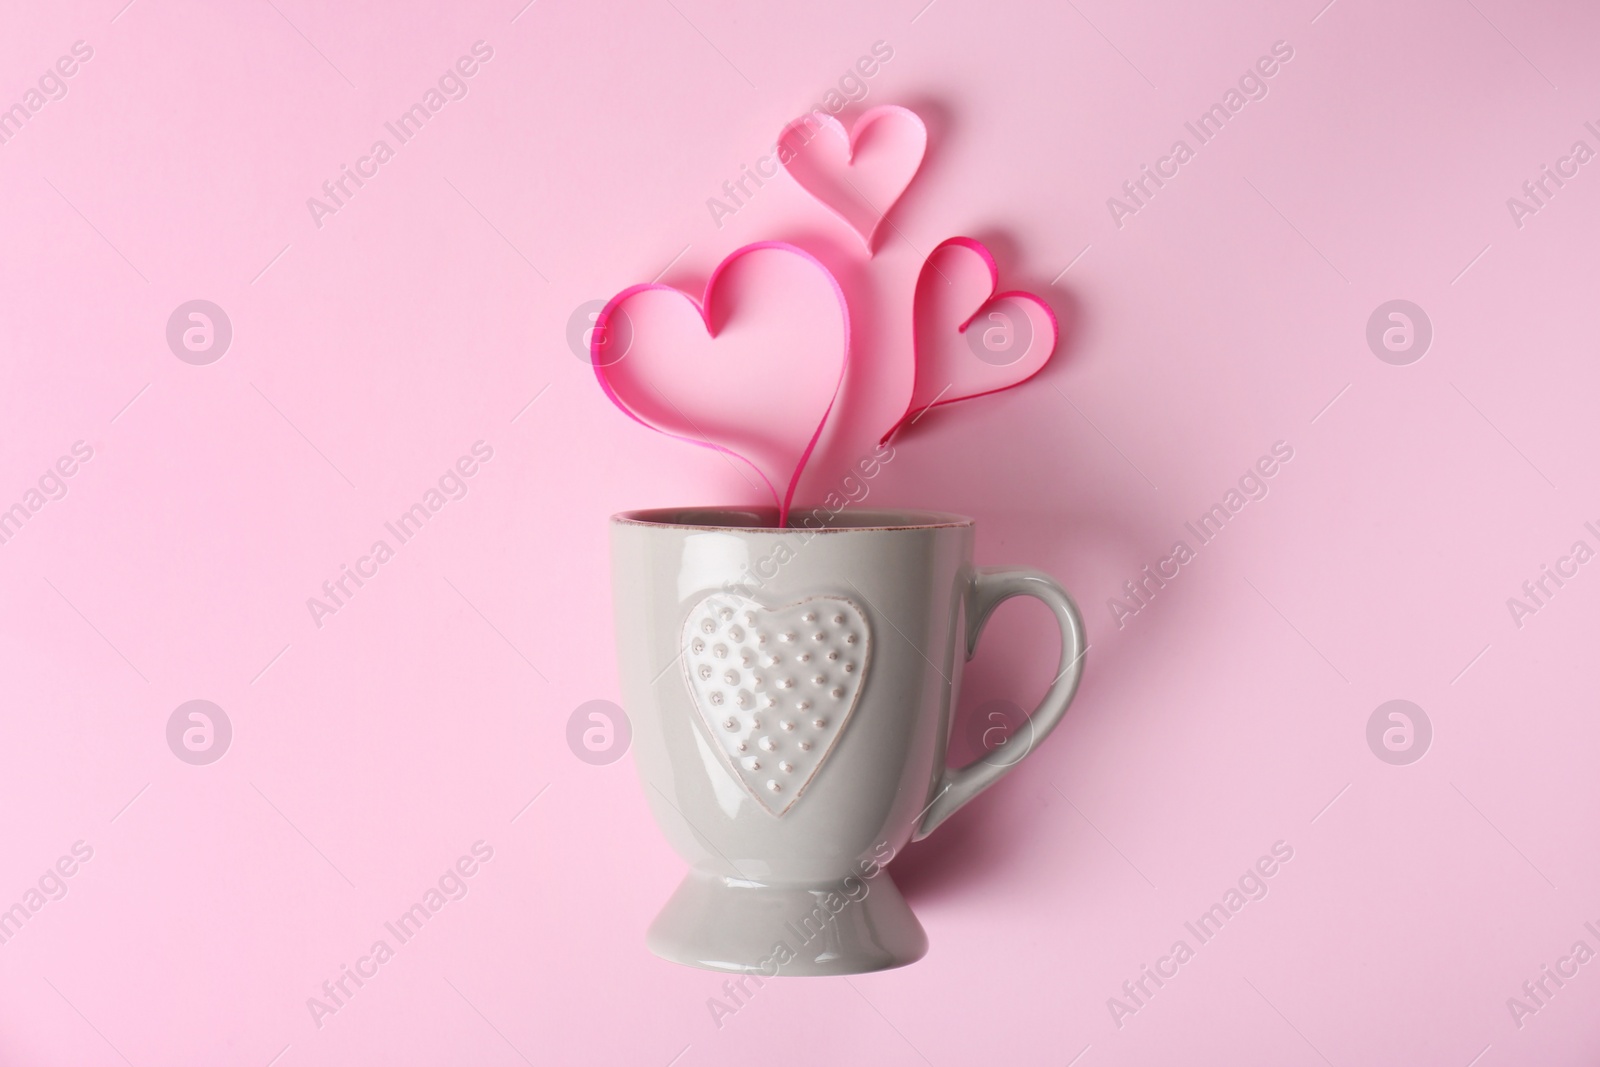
821 177
704 307
976 378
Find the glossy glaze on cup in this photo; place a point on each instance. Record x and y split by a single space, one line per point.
883 781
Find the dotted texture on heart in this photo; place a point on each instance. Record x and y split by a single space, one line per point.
774 687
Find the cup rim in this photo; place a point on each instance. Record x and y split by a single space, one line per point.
764 520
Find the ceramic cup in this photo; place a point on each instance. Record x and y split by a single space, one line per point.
791 692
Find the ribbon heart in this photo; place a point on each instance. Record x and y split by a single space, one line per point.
860 175
778 324
968 340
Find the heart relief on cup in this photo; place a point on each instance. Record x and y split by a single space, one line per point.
775 687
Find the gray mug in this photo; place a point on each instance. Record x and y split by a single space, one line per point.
791 692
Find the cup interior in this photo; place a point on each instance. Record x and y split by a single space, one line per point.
822 521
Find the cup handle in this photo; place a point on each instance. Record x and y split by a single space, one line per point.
991 587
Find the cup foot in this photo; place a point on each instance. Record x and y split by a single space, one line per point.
845 926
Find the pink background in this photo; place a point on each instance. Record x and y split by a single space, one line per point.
368 354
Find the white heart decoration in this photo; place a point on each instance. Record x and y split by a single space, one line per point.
775 686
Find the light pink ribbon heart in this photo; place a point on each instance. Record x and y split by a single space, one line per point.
858 176
968 340
757 412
